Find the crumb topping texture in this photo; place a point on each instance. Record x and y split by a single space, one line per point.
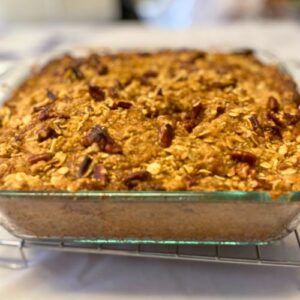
167 120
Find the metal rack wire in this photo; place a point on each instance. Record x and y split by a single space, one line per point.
215 253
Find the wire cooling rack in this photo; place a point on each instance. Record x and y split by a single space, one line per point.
284 253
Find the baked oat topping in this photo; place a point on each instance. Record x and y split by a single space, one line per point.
167 120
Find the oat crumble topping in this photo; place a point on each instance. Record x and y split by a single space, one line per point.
167 120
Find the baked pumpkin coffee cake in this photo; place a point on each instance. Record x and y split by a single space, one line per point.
165 120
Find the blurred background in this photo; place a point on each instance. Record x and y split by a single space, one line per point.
169 13
32 27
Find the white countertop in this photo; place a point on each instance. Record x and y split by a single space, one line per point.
88 276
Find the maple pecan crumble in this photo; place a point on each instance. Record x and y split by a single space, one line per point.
167 120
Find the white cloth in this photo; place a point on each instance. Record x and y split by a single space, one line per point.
64 276
55 275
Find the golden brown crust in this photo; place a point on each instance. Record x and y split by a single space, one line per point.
170 120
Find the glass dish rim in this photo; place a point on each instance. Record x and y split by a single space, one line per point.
211 196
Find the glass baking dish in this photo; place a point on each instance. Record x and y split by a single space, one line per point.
150 217
222 217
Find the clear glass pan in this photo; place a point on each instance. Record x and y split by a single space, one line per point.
229 217
150 217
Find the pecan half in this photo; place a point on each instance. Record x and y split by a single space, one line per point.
33 159
132 179
273 104
244 156
101 174
100 135
165 135
84 166
96 93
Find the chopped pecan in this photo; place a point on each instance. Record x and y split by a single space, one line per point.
96 93
33 159
159 92
76 72
102 69
273 130
244 156
84 166
197 109
112 148
121 104
254 122
263 184
165 135
145 77
220 110
194 56
291 119
273 104
100 135
94 61
51 95
101 174
46 133
193 117
150 73
44 113
132 179
223 85
128 81
275 118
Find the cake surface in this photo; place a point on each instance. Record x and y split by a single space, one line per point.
167 120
